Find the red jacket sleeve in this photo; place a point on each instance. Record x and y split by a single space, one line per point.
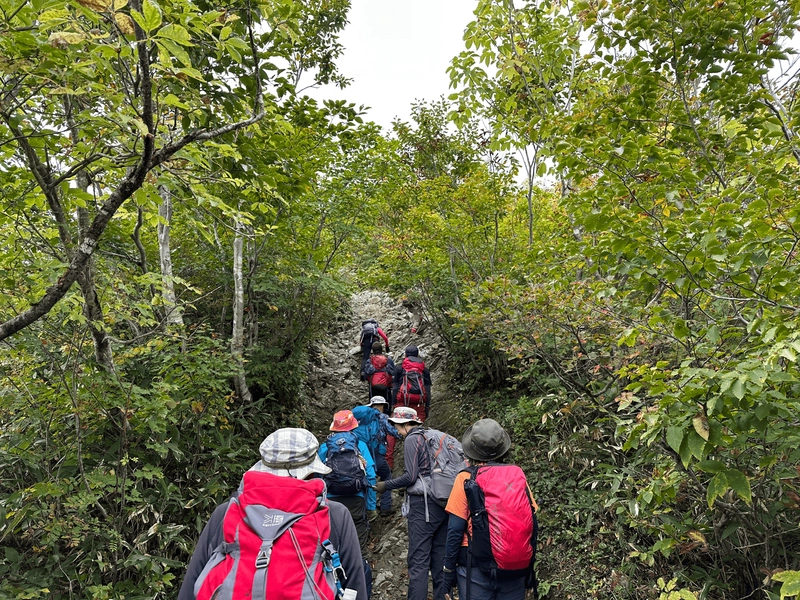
385 339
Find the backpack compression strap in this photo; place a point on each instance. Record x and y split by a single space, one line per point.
335 567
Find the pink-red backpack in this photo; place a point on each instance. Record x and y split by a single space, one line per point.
504 527
276 544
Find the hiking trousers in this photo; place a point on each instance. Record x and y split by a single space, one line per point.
357 506
482 588
385 474
426 547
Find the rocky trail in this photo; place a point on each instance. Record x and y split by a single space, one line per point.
334 384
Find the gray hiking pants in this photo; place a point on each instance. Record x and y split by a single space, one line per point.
426 546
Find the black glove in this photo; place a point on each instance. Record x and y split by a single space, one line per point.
380 487
449 580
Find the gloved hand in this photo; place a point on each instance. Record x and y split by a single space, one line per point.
380 487
372 515
449 580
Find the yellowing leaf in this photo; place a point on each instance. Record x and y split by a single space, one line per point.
125 23
119 4
61 39
700 423
697 537
98 5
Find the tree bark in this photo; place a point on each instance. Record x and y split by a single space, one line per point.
237 336
174 313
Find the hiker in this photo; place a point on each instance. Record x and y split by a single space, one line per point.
412 383
411 387
284 483
427 520
369 335
496 565
379 371
374 428
352 478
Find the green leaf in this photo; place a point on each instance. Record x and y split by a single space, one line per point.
152 16
740 484
680 330
711 466
716 488
791 583
696 445
675 437
737 388
176 33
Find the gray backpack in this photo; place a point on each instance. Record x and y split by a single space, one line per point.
369 331
446 460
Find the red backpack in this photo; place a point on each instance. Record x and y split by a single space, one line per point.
504 527
278 525
413 386
380 378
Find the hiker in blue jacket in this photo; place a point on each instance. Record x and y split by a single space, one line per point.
357 502
374 428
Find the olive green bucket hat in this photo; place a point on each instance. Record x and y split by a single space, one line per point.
485 440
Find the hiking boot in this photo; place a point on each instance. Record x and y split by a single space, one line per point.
372 515
387 512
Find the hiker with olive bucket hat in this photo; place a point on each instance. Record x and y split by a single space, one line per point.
492 527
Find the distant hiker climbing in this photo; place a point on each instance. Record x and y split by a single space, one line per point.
492 529
351 481
268 541
379 372
374 428
412 383
426 494
370 332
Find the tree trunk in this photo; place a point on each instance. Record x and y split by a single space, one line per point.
237 336
92 309
173 312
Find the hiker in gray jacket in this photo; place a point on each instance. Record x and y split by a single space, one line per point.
287 453
427 526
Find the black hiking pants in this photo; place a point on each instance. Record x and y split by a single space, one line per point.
426 546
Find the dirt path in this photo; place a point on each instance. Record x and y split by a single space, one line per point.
334 385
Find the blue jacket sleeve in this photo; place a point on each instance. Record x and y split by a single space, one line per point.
388 427
372 476
455 533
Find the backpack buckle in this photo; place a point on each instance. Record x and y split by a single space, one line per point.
264 555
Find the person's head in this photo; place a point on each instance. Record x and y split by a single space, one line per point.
412 351
485 441
343 421
379 403
404 419
291 452
377 348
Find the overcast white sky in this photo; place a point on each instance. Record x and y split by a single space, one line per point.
397 52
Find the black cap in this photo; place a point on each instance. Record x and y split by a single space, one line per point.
412 351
